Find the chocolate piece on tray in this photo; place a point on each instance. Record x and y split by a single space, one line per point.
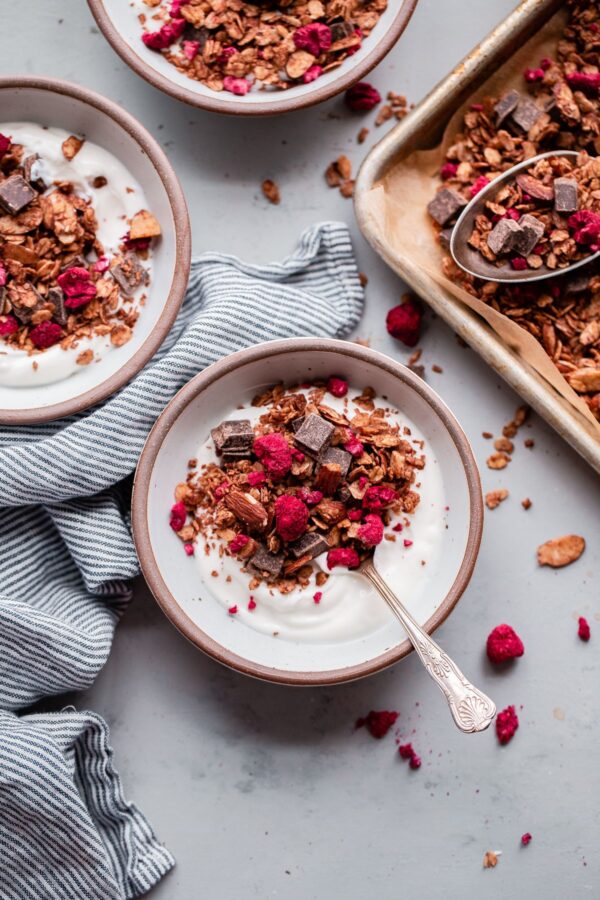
338 456
266 563
15 194
445 205
56 296
233 436
314 435
31 173
130 274
530 232
505 105
566 191
502 236
526 114
445 237
310 544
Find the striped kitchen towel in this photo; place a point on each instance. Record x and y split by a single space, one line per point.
67 556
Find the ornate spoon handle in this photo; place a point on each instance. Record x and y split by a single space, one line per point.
471 709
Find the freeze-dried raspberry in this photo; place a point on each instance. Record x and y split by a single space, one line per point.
517 262
338 387
525 839
101 265
255 478
312 74
355 515
232 610
178 516
189 549
8 325
239 541
190 49
315 38
503 643
532 75
415 761
291 517
226 54
77 286
513 214
343 556
407 542
406 751
404 322
506 724
251 604
371 532
378 722
311 498
165 36
137 245
478 185
353 445
448 170
4 144
583 629
362 97
3 275
274 453
317 596
546 63
45 335
298 455
237 86
585 225
584 81
221 490
175 9
350 51
378 497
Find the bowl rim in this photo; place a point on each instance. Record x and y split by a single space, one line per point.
142 482
348 75
183 251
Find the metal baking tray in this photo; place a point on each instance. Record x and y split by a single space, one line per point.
423 129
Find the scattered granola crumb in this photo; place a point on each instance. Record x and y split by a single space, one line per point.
503 643
526 503
436 368
378 722
583 631
339 175
507 723
363 283
529 443
487 435
271 191
490 860
498 461
493 499
362 135
561 551
504 445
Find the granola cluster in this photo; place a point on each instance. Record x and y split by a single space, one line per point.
305 480
558 108
550 215
56 284
230 45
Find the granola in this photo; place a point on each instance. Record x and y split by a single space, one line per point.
237 46
558 108
61 285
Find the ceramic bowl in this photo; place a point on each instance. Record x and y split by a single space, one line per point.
78 110
119 23
173 578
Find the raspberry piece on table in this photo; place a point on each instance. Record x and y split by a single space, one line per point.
415 761
251 604
517 262
507 723
583 630
232 610
362 97
525 839
343 556
189 549
178 516
503 643
532 75
378 722
291 517
274 453
45 335
403 322
406 751
317 596
255 478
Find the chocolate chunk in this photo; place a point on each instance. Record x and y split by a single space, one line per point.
314 435
3 304
31 173
130 274
196 34
505 105
576 285
339 457
445 236
502 236
56 296
298 422
266 563
235 455
534 187
15 194
233 436
445 205
530 232
310 544
566 191
25 300
526 114
341 30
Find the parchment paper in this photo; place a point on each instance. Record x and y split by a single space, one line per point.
398 205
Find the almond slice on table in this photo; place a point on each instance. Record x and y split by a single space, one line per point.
561 551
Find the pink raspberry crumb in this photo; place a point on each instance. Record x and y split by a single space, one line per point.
3 273
415 761
507 723
291 517
371 532
532 75
406 751
343 556
45 335
378 722
407 542
545 63
256 478
338 387
503 643
317 596
403 322
275 454
525 839
190 49
238 86
478 185
238 542
251 604
315 38
583 631
448 170
8 325
362 97
189 549
398 527
355 515
584 81
177 516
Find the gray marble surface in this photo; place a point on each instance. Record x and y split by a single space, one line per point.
262 791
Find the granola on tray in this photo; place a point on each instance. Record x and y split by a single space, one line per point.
557 108
236 46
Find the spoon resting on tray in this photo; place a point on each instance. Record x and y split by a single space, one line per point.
471 260
471 709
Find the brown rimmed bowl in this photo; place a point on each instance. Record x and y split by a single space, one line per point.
50 102
119 23
199 608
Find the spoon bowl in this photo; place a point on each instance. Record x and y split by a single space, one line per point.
471 261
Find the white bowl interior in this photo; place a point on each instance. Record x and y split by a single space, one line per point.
124 17
44 107
180 573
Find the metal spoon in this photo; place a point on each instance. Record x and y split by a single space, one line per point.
471 709
473 262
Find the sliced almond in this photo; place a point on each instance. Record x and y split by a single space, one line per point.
561 551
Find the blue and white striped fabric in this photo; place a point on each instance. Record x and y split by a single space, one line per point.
66 830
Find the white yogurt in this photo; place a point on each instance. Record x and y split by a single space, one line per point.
349 608
114 205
